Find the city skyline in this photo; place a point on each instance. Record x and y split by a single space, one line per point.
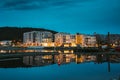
72 16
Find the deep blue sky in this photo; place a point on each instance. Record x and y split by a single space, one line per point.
83 16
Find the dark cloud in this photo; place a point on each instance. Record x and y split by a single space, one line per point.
14 3
27 7
23 5
36 4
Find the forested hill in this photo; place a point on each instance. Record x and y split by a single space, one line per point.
16 33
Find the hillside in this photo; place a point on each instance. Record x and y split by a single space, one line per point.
16 33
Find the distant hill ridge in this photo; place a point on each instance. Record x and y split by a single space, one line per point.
16 33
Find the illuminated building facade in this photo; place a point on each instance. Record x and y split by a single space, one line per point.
61 38
37 38
85 40
6 43
79 39
64 39
114 40
90 41
45 38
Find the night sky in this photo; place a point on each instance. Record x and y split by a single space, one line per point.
83 16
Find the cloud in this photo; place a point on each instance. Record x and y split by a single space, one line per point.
14 3
23 4
36 4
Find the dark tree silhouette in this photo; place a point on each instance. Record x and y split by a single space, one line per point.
16 33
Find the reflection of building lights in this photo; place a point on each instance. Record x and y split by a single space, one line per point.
47 57
3 51
59 51
79 59
67 60
68 51
66 45
73 45
70 55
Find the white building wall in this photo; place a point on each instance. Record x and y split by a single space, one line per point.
62 38
37 37
89 41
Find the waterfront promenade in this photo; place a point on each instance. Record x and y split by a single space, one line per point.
21 54
12 52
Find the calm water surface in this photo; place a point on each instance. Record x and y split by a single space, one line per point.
61 67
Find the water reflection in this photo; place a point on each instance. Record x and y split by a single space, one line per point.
67 64
38 60
61 59
24 51
82 58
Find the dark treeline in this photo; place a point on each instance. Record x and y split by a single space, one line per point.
16 33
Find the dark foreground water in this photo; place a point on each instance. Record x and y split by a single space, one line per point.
61 67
